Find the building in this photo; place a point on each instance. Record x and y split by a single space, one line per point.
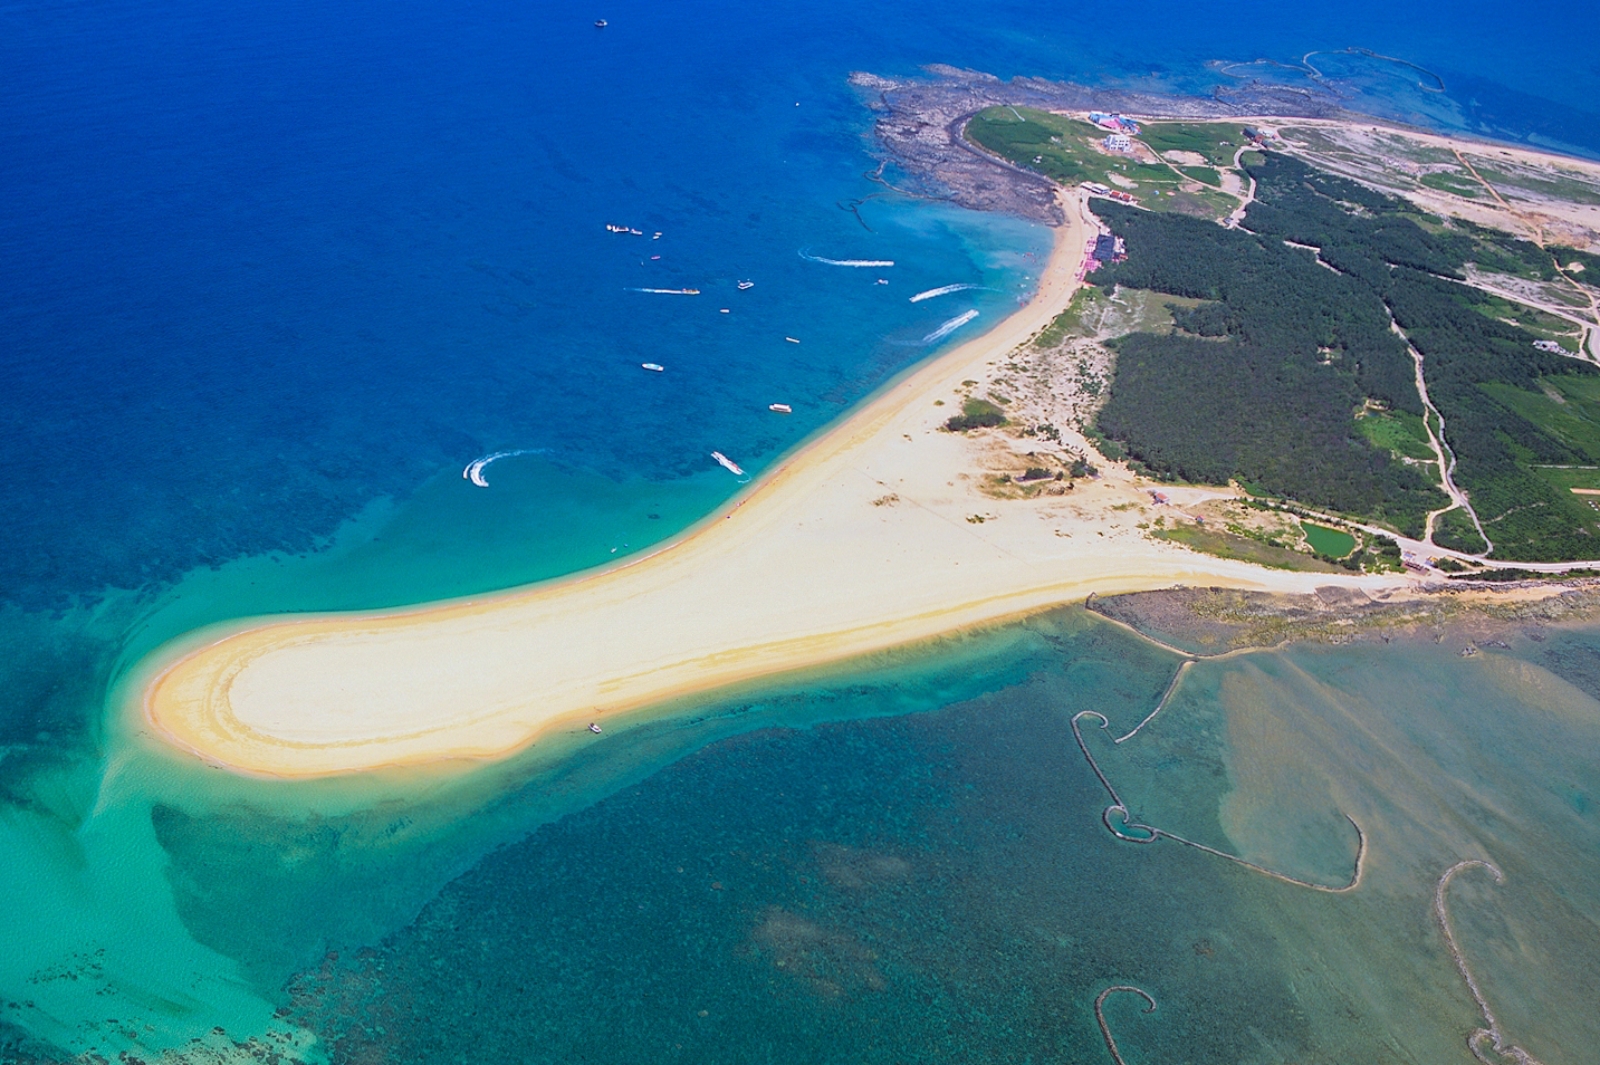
1110 249
1114 123
1118 142
1549 345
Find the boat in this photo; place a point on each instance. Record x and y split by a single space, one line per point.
594 728
791 340
780 408
728 464
654 367
743 285
883 280
600 24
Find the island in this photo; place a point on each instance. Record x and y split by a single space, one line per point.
1273 354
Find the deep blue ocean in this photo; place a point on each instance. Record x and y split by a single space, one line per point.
272 275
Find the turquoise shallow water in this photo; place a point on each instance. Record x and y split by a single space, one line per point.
273 277
905 858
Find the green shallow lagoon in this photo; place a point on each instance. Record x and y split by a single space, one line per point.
902 859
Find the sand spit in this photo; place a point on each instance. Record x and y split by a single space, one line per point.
869 537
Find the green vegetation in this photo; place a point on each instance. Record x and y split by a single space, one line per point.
1335 543
1399 432
1228 545
1268 354
1217 141
976 414
1246 388
1204 174
1070 322
1502 253
1067 150
1455 182
1258 384
1456 531
1055 146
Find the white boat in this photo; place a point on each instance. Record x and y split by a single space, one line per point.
791 340
743 285
654 367
780 408
728 464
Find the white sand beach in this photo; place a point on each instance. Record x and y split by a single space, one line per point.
867 538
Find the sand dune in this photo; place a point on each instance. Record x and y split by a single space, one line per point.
864 540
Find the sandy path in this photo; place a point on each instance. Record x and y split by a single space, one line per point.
862 541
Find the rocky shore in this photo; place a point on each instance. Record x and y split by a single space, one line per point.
918 132
1213 621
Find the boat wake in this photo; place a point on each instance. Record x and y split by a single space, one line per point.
808 257
941 291
475 468
669 291
949 327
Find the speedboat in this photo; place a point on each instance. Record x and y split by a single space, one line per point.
600 24
743 285
654 367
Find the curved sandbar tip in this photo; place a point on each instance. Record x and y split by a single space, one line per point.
863 541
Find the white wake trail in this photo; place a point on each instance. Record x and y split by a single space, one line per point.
949 327
808 257
942 291
475 468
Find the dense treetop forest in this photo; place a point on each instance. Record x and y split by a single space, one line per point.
1263 382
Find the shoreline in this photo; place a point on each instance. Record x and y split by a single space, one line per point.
865 539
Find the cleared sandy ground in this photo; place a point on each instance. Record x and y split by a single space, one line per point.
863 541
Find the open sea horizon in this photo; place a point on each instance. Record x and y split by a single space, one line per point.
272 278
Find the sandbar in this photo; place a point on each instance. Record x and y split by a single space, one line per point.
872 536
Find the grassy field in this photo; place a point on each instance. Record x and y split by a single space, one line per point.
1568 478
1058 147
1227 545
1068 151
1458 182
1325 541
1569 409
1398 431
1217 141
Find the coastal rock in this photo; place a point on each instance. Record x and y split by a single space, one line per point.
919 132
